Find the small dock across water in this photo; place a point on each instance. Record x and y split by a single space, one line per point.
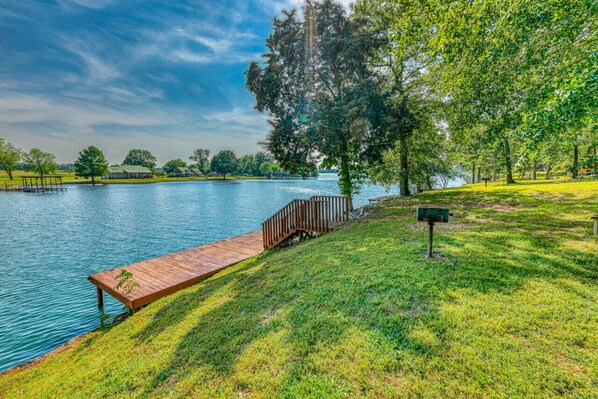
170 273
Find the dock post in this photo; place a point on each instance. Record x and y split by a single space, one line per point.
100 297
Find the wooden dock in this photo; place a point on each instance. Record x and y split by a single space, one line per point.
159 277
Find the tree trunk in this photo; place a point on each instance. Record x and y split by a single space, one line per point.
534 168
548 172
345 178
473 173
9 172
479 175
404 161
575 161
508 164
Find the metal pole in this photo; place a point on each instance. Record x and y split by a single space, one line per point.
430 238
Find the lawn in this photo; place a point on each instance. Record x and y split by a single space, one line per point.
509 309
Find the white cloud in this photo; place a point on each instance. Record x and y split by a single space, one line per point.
95 4
64 127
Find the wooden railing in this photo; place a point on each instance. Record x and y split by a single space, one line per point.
318 215
337 207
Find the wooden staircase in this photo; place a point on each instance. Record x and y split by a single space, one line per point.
317 215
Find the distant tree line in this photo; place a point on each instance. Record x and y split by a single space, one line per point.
91 162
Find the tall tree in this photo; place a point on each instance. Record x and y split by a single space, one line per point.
141 157
9 157
202 158
321 96
170 166
40 162
91 163
401 62
224 162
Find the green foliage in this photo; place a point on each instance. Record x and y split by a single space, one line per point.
259 158
430 160
9 157
269 168
516 68
140 157
361 313
40 162
246 165
225 162
202 159
321 96
126 284
91 163
402 65
170 166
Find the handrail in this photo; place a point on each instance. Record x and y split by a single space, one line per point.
316 214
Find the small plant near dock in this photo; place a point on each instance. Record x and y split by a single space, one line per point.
125 281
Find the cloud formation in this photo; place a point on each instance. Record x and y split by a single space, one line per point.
167 76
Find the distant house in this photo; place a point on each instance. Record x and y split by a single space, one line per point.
183 171
129 172
211 174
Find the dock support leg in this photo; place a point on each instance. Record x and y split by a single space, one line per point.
100 297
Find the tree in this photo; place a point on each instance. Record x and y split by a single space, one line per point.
40 162
401 62
170 166
202 158
141 157
224 162
9 157
517 68
269 168
91 163
246 165
322 99
260 157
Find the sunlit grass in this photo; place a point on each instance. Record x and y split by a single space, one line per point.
509 309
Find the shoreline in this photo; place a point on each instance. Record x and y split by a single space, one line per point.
365 211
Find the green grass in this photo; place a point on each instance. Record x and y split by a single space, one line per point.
17 174
509 310
70 178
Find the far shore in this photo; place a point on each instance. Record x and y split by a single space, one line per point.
70 178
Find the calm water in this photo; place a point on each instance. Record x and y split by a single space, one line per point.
50 243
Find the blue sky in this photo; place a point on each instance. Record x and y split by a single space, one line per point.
166 76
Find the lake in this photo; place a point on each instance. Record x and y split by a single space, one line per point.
50 243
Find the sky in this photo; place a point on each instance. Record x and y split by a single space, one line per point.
152 74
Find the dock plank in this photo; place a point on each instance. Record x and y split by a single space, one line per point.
173 272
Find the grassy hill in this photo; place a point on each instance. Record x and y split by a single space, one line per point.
509 309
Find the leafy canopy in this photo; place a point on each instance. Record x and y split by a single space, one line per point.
9 157
172 165
225 162
91 163
202 159
141 157
324 103
40 162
